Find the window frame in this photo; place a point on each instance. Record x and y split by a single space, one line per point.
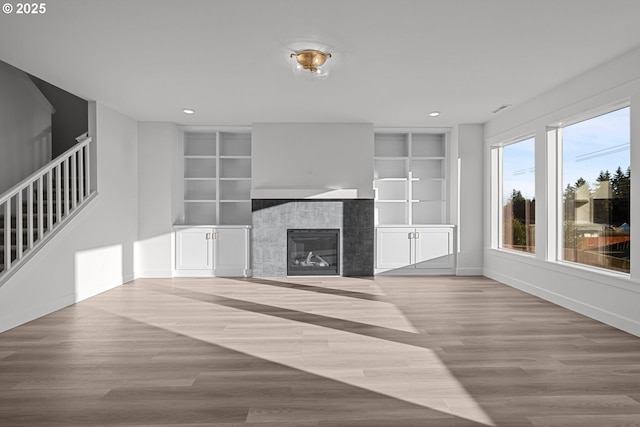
554 131
497 158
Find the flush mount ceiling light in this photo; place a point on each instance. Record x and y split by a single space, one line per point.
310 64
434 114
188 111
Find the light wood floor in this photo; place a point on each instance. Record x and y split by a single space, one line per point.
383 352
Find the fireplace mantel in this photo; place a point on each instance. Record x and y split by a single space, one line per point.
303 193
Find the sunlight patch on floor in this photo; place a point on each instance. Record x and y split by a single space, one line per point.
352 309
374 364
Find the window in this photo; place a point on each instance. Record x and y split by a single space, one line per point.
518 196
596 184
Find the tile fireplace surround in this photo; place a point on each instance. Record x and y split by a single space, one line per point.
272 217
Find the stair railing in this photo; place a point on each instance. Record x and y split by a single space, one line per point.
35 208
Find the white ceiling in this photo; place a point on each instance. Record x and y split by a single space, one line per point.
394 61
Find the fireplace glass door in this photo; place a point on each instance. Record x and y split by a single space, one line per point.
312 252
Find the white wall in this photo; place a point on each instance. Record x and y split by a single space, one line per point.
607 296
470 145
25 127
313 155
94 252
158 189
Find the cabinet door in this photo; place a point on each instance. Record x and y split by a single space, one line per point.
232 251
194 249
393 247
434 248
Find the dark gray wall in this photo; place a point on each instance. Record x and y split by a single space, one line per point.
25 127
70 119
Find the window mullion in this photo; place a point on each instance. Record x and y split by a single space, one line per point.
553 182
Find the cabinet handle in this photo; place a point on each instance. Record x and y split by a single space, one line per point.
215 236
410 236
208 236
417 235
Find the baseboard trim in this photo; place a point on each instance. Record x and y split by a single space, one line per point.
475 271
221 272
151 274
81 295
612 319
33 313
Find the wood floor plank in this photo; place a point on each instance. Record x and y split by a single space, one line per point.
318 352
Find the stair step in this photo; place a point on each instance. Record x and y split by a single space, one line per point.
14 244
45 205
25 216
14 254
45 202
14 232
14 229
25 234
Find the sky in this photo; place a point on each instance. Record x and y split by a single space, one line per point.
518 169
594 145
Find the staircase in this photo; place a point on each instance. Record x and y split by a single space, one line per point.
32 211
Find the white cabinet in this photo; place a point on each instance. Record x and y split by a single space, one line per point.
194 249
433 248
415 250
203 251
393 247
231 252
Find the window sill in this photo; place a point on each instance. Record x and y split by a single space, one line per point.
605 277
515 252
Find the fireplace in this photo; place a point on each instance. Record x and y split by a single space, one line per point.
313 252
273 217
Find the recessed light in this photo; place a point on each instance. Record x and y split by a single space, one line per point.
188 111
434 114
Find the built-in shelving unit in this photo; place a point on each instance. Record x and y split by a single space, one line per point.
217 177
410 182
410 177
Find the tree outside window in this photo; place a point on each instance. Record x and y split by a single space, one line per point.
597 191
518 196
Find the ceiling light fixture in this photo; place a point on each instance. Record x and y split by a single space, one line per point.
434 114
311 64
188 111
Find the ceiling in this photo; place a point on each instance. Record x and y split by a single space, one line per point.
394 60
